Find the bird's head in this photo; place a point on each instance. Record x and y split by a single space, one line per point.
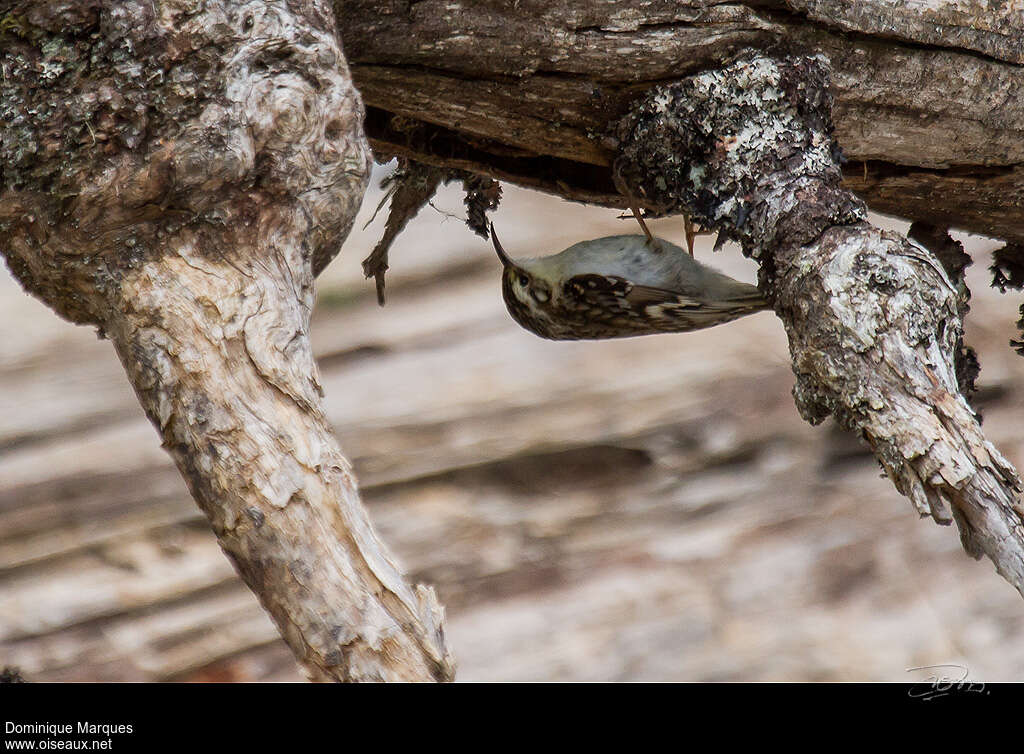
529 293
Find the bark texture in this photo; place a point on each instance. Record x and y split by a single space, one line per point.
174 173
874 322
927 105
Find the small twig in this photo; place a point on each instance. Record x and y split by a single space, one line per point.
380 205
443 212
410 188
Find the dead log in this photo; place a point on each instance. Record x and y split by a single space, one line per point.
926 97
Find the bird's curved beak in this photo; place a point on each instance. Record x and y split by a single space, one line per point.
506 260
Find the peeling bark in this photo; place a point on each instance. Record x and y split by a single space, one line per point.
874 322
175 173
412 186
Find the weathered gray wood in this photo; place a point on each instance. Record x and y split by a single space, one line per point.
991 27
176 182
927 95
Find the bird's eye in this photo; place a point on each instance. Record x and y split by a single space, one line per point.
524 281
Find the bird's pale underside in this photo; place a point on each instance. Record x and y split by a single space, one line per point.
620 287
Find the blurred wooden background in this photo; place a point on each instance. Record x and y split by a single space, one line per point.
646 509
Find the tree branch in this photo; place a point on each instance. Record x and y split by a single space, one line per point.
182 203
873 320
926 103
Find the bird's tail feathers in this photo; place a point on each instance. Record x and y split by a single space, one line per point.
751 299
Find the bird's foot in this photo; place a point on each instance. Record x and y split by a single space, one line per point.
635 209
691 233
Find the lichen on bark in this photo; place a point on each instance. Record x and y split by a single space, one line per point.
873 320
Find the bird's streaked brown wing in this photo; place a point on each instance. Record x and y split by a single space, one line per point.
630 309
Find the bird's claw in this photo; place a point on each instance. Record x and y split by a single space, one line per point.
690 233
635 208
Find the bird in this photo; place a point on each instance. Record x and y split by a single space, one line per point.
620 287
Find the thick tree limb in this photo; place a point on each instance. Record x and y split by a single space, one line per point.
873 320
926 97
174 173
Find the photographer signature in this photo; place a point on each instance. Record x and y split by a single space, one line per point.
943 680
